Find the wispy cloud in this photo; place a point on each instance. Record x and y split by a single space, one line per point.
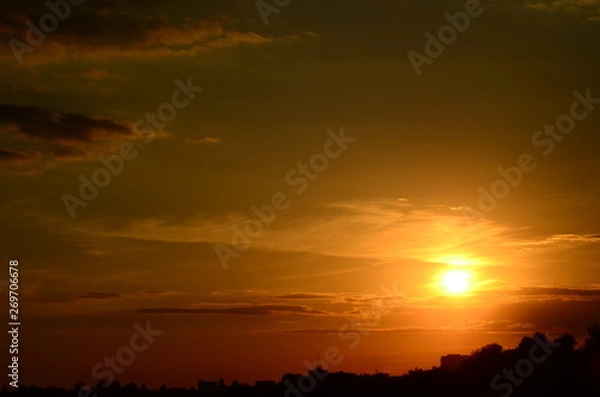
260 310
207 140
305 296
372 229
560 239
130 35
554 292
103 296
588 9
47 136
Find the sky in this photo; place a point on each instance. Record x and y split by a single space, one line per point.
252 184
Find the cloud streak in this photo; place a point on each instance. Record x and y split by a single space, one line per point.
259 310
51 136
110 33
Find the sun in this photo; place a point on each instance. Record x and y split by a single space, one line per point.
456 281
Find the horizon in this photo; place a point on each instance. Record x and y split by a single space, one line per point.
228 187
321 364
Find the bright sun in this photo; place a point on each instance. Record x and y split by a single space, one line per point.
456 281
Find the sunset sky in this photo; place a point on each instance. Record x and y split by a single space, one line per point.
390 236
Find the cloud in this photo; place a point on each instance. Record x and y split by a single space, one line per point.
69 152
551 314
304 296
259 310
384 230
569 5
99 74
422 240
79 298
588 9
101 296
504 326
14 88
18 162
38 123
482 327
10 156
553 292
560 239
160 293
102 32
48 136
202 141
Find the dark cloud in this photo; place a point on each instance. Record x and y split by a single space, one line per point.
107 296
556 314
35 7
161 292
246 310
504 326
100 295
11 21
117 31
78 298
304 296
9 156
64 152
301 331
98 31
41 123
492 326
12 89
18 163
558 292
51 136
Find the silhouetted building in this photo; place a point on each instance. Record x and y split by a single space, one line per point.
207 389
262 388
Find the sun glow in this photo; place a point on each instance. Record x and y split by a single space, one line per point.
456 281
457 260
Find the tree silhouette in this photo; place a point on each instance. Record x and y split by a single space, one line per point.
560 369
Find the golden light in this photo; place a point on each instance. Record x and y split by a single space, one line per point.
457 260
456 281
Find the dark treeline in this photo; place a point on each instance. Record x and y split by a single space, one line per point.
538 366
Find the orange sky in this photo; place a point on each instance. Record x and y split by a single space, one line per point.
366 176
